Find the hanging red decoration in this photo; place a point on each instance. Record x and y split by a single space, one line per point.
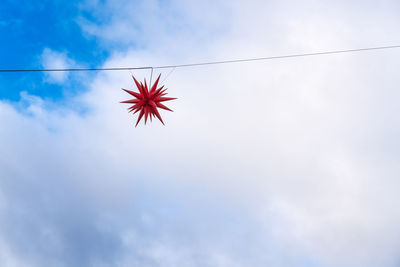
147 101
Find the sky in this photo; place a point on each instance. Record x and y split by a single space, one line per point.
290 162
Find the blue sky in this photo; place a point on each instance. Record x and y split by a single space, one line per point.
28 28
280 163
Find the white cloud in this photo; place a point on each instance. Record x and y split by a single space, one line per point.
279 163
56 60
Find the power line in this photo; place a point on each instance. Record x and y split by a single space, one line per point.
207 63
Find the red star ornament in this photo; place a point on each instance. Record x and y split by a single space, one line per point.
147 102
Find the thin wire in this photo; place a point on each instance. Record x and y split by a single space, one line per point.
151 77
208 63
279 57
168 75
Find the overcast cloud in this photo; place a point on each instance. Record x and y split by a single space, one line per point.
282 163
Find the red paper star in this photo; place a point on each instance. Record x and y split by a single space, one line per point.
147 101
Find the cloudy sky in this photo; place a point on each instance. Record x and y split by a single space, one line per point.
291 162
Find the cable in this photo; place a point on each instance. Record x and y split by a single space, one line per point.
207 63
